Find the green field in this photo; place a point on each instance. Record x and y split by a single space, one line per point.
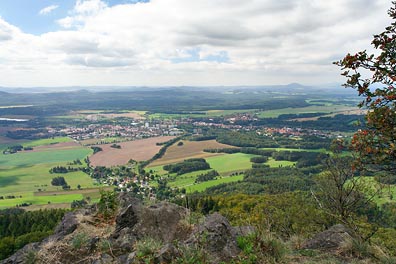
23 173
209 113
230 162
279 163
47 141
199 187
303 110
215 113
322 150
6 142
225 164
25 159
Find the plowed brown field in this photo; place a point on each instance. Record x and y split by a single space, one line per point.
138 150
189 149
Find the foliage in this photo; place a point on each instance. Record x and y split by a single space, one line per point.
261 159
107 205
374 77
340 192
115 146
146 249
60 181
96 149
261 247
62 169
285 214
18 227
211 175
80 240
78 203
188 165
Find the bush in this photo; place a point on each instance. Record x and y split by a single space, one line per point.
108 204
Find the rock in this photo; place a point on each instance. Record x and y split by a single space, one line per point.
92 243
332 238
125 199
104 259
164 222
161 221
21 255
128 217
123 259
243 230
217 237
167 254
67 226
131 257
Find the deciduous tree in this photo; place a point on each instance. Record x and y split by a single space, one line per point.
374 78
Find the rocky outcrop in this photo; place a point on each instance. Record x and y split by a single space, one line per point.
82 238
161 222
217 237
331 239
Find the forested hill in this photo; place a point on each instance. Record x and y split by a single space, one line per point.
166 99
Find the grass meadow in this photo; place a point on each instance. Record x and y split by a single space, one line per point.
226 165
23 173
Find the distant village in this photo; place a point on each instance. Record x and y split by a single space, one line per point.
139 129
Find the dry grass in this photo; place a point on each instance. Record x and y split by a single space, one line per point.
189 149
138 150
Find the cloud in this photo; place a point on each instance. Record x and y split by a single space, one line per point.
205 42
83 10
48 9
6 30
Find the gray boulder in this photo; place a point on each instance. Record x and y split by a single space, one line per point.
217 237
333 238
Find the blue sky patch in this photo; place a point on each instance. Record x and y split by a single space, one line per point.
222 56
25 14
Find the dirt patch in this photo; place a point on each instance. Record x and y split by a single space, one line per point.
189 149
138 150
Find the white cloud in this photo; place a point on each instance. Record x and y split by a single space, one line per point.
136 44
83 10
48 9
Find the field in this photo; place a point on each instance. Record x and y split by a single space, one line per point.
138 150
47 141
225 164
189 149
24 173
137 115
228 163
322 150
309 109
5 142
279 163
98 141
99 114
209 113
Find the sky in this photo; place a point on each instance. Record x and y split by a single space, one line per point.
47 43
